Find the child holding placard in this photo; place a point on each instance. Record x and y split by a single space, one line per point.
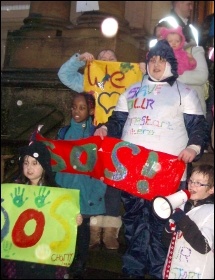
35 165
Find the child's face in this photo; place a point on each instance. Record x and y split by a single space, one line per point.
32 169
107 56
80 111
196 189
174 40
156 67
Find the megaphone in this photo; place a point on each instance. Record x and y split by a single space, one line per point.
163 206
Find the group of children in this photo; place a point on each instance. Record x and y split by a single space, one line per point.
153 246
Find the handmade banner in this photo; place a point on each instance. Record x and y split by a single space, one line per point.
107 80
38 224
118 163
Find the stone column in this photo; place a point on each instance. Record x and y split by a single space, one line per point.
31 90
48 38
37 44
90 38
49 14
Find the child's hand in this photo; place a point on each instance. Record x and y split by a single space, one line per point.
101 131
171 225
187 155
189 55
142 66
177 215
86 57
191 58
79 219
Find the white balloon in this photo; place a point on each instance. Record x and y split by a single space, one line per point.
109 27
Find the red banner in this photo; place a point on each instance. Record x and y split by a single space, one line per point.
123 165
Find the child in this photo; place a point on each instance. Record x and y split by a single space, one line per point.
176 39
198 77
191 230
92 191
139 118
106 227
35 167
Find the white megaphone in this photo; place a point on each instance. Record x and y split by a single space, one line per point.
163 206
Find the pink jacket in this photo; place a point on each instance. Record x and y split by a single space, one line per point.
184 62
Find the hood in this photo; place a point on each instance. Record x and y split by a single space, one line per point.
166 31
163 49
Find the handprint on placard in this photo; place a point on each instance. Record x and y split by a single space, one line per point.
40 198
6 246
18 197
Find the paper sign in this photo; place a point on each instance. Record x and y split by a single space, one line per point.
84 6
107 80
38 224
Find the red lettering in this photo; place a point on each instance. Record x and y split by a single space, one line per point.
19 237
89 74
112 77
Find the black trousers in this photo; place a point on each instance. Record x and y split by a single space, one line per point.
82 245
112 201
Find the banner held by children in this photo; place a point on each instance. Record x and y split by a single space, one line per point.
38 223
118 163
106 80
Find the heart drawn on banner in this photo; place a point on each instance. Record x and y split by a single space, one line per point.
104 98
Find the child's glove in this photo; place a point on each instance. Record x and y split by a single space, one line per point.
171 225
177 215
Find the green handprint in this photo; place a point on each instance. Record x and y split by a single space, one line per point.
6 248
7 245
18 197
40 199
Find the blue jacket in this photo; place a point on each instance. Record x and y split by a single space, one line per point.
69 75
92 191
